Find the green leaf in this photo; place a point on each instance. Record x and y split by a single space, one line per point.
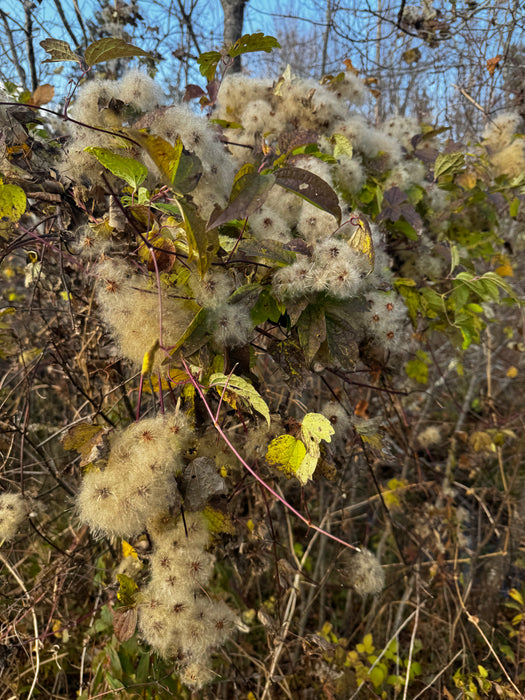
208 62
13 202
59 51
248 195
187 174
286 453
342 341
418 370
128 169
448 164
165 156
377 675
311 327
253 42
197 321
113 682
242 388
202 242
269 249
266 309
514 207
454 258
127 591
225 124
111 48
310 187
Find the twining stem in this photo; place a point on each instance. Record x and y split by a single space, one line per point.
263 483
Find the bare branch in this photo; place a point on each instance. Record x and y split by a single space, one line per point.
14 56
28 30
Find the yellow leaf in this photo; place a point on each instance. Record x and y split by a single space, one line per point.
128 550
218 521
481 442
467 179
505 268
13 203
162 153
307 466
512 372
361 238
286 453
174 377
316 427
149 359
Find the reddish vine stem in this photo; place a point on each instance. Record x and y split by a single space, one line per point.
261 481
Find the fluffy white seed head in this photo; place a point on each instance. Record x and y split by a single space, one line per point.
12 514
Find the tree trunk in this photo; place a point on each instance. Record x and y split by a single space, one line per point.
233 21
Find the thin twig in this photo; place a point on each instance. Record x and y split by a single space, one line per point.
15 575
253 472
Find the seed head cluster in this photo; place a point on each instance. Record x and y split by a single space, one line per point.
12 515
136 491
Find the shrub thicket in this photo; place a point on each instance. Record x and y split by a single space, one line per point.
262 397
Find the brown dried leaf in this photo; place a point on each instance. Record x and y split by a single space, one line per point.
43 94
124 623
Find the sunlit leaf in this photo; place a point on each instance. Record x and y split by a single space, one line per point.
42 95
448 164
111 48
203 243
59 51
286 453
149 359
242 388
218 522
127 591
208 62
308 465
128 550
342 145
89 440
128 169
359 236
316 427
173 378
13 202
165 156
253 42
